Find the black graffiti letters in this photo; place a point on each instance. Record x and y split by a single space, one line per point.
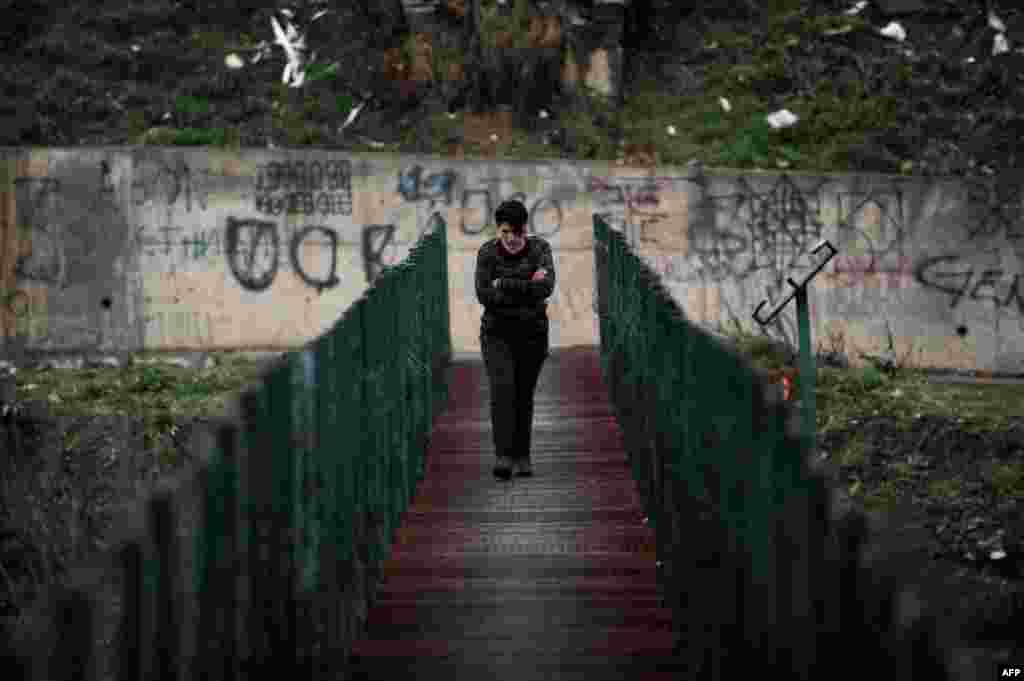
631 205
304 203
243 239
330 279
487 208
157 179
545 214
546 217
252 249
299 188
376 238
297 176
987 280
768 231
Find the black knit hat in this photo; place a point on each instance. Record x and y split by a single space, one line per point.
513 213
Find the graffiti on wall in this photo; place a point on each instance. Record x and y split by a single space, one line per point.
871 235
545 211
197 246
434 188
477 203
297 187
381 248
861 270
252 248
631 205
754 231
42 257
167 182
60 250
171 326
995 205
963 281
376 242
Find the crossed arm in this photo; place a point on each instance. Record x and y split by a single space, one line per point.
516 291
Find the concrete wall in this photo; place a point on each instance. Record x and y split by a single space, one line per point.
129 249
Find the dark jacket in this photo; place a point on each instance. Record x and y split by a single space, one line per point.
517 309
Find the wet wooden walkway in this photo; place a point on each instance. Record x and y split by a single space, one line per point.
543 578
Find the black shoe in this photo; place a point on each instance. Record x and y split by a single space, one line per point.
523 468
502 469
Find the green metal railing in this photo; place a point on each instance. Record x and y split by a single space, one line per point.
340 429
297 498
758 572
701 397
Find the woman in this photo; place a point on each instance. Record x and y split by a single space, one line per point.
514 275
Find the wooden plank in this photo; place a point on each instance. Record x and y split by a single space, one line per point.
550 577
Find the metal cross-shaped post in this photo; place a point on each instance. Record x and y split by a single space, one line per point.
807 372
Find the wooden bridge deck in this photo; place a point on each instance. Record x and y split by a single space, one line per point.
549 577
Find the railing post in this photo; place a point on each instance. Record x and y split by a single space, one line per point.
807 368
167 612
73 634
132 651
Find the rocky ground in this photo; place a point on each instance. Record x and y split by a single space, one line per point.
939 98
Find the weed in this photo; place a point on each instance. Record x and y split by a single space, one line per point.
494 27
750 146
311 105
194 106
168 457
1007 480
870 378
883 498
853 455
902 469
720 37
216 137
297 133
946 489
317 71
828 23
344 104
192 390
136 120
152 379
591 141
209 40
443 59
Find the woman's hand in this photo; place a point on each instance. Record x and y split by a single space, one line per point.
539 274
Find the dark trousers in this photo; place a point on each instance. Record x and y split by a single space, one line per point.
512 369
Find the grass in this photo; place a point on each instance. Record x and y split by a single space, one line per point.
157 393
842 394
853 456
877 471
1007 480
950 488
882 498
